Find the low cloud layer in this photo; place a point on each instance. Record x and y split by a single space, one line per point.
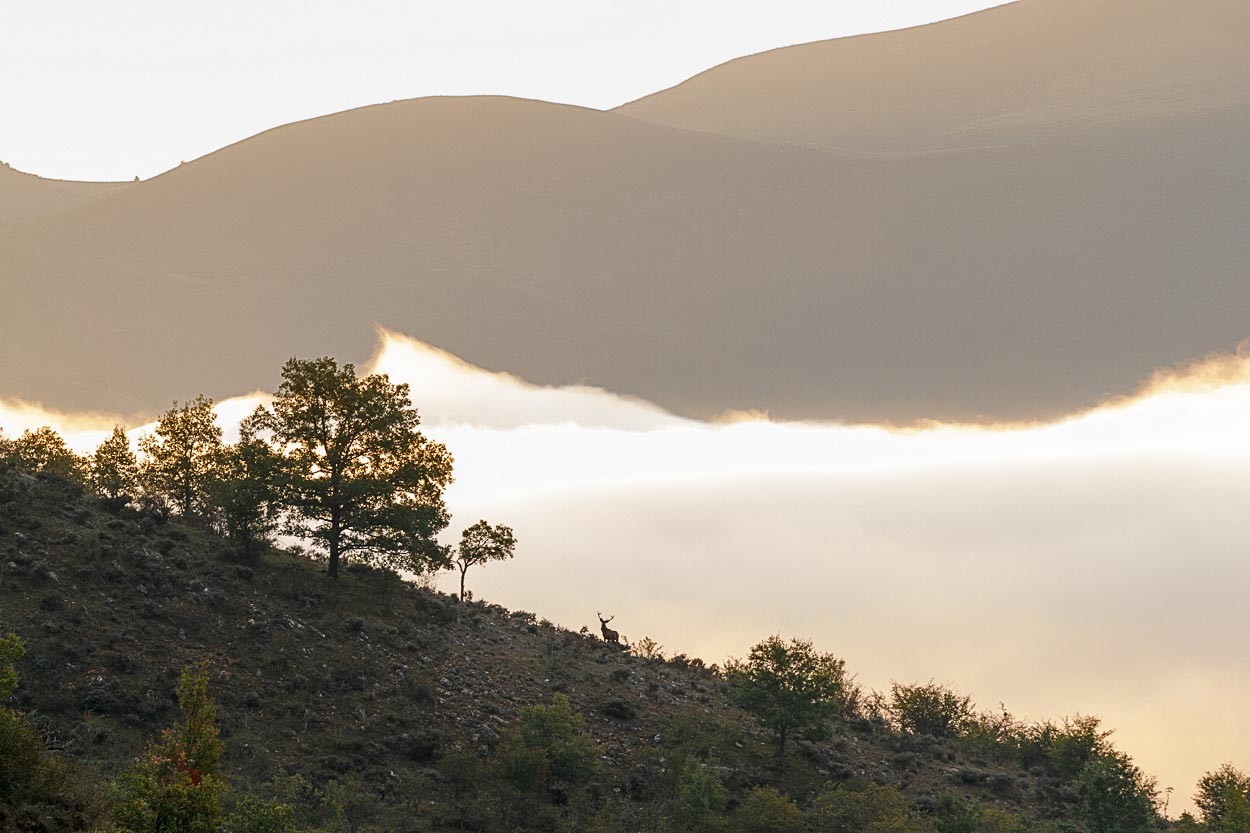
1096 564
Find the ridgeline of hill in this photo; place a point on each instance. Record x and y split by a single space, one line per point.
1010 215
405 694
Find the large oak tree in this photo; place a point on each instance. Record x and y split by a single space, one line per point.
356 476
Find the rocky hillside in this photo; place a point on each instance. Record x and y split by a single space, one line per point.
405 693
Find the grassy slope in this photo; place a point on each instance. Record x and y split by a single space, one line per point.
373 677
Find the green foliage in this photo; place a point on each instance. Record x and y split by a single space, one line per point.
356 474
351 804
38 789
765 810
549 742
242 492
1115 796
1066 749
252 814
1214 788
956 815
648 648
700 799
790 686
114 469
180 457
176 786
11 650
930 709
1235 813
480 544
20 754
1187 824
996 734
863 808
43 450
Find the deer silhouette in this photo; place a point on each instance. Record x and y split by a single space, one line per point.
609 635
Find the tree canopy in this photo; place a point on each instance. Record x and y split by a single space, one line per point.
790 686
114 469
356 475
482 543
181 456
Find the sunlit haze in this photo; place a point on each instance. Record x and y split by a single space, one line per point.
113 91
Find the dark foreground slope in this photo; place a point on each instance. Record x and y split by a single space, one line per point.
403 688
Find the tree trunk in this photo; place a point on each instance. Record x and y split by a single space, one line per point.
463 571
332 569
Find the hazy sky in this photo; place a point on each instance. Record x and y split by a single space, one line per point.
112 90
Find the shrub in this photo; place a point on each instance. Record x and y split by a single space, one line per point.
930 709
1115 796
764 810
700 799
790 686
648 648
252 814
1065 749
175 785
548 742
863 808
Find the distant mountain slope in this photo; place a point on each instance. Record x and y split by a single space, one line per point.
699 272
1144 74
25 197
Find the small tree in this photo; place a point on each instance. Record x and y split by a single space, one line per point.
176 785
181 455
480 544
356 474
1214 789
44 450
114 468
930 709
242 491
1116 796
790 686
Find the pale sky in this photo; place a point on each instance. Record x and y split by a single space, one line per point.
94 90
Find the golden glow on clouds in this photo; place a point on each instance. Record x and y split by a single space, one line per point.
1096 563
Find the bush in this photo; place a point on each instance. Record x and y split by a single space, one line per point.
1115 796
1066 749
930 709
252 814
863 808
764 810
549 742
700 799
175 785
790 686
